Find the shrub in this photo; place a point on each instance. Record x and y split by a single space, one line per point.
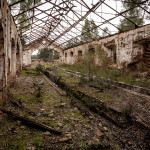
40 68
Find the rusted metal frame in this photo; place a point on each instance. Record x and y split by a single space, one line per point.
37 44
36 35
34 28
46 14
61 37
39 31
82 25
33 35
67 23
121 15
46 30
32 19
104 31
60 33
73 19
27 26
95 11
60 8
29 9
50 13
41 28
41 20
55 34
34 16
79 18
72 32
16 3
58 23
54 43
39 39
37 26
53 28
35 21
83 17
70 23
42 34
100 16
34 38
77 15
95 27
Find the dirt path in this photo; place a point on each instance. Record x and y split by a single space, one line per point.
49 107
82 128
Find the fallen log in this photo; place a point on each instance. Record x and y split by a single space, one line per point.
30 122
21 107
60 91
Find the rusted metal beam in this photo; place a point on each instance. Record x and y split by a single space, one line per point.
83 17
122 15
29 9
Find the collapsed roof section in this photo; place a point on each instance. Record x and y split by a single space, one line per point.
61 21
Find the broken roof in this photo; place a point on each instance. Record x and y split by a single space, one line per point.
61 21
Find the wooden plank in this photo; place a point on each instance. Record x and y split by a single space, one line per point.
60 91
30 122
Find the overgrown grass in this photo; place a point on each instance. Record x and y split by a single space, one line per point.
128 77
25 97
28 72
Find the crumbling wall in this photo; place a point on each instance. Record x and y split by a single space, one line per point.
38 44
128 47
27 58
10 47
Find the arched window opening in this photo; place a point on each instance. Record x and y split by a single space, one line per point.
79 53
13 57
71 54
44 55
65 54
18 60
91 50
112 47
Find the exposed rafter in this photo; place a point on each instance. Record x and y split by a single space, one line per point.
62 21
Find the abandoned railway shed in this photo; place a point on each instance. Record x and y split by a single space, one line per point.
54 23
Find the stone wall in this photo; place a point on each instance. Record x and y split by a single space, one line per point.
39 45
10 51
125 48
27 58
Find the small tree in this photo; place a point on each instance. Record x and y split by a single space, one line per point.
134 14
105 32
89 31
89 63
45 54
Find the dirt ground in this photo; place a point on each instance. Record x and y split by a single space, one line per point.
79 131
81 128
